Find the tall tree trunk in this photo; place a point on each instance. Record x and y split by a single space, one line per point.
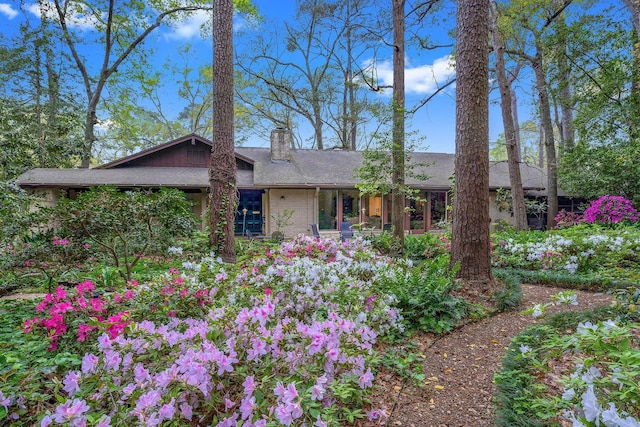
549 143
470 237
567 133
397 177
514 109
222 172
513 155
541 145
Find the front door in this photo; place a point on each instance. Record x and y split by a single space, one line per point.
249 214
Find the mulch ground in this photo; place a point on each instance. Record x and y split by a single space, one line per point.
459 368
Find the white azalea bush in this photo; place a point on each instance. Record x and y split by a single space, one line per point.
288 339
604 386
584 376
580 249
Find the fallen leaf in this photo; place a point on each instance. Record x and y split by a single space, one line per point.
396 387
438 387
445 355
433 378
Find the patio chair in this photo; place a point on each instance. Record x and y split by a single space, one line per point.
314 231
345 231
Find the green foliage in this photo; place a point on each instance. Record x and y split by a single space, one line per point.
423 295
528 359
510 296
589 252
425 246
375 174
385 243
25 364
592 171
405 360
15 217
124 226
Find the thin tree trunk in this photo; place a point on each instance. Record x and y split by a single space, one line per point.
549 143
397 177
470 234
566 121
513 156
222 172
514 109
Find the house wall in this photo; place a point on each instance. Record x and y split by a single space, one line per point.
48 197
496 215
303 204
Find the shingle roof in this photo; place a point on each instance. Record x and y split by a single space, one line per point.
336 168
126 177
308 168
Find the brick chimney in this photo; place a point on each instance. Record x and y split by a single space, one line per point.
280 145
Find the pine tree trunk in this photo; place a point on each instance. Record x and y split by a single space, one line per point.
397 177
222 172
470 239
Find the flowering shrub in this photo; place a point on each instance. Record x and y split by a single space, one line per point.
588 377
566 219
286 339
573 250
603 387
610 210
81 309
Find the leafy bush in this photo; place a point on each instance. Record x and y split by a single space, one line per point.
566 219
586 249
532 355
426 246
510 295
286 337
15 216
610 210
423 295
123 226
385 243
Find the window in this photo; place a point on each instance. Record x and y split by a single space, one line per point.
327 209
350 206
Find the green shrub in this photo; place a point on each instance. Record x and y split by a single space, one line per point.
124 226
425 246
524 394
510 296
424 297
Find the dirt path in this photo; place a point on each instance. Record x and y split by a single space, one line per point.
459 368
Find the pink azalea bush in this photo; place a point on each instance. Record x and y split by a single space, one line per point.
566 219
80 310
610 210
286 339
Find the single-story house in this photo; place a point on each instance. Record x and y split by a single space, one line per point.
318 186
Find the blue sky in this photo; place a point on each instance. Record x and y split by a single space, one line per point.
435 121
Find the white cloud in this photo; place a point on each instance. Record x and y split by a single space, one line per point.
421 79
81 19
7 10
190 27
